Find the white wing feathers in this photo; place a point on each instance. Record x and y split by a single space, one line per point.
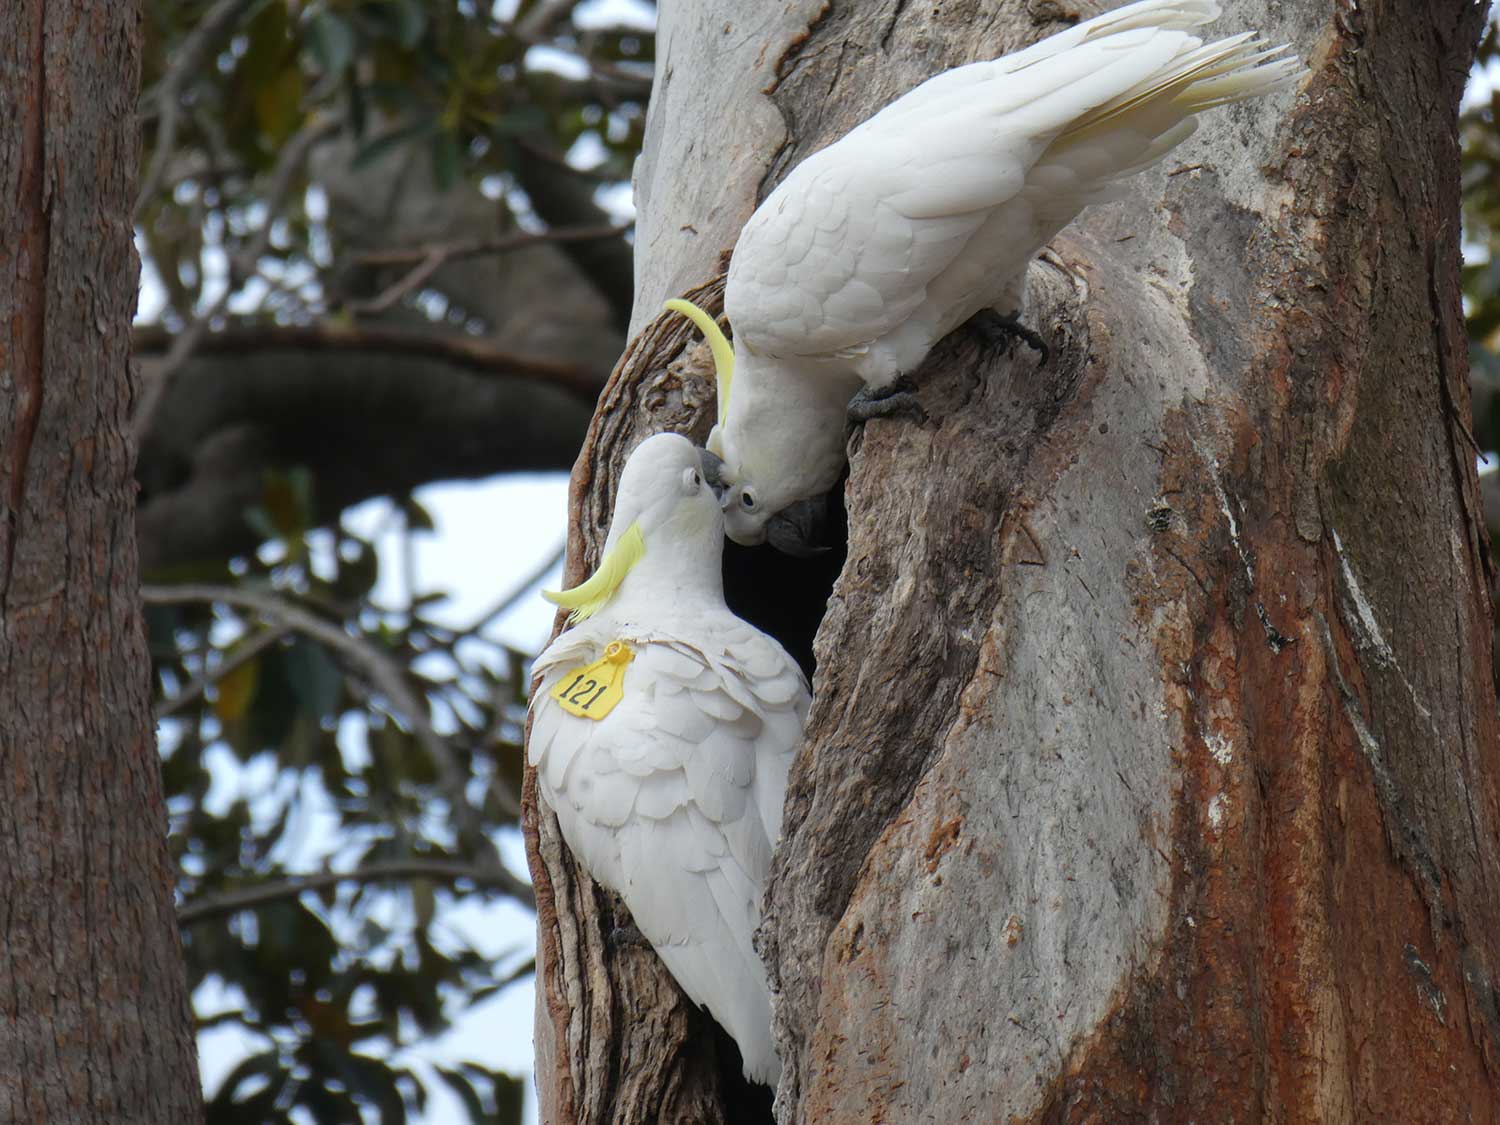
845 250
673 800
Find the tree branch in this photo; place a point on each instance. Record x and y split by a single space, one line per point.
472 353
187 61
521 589
445 871
564 198
543 18
242 655
429 259
241 265
384 674
364 423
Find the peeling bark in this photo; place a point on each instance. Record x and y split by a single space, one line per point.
94 1017
1153 770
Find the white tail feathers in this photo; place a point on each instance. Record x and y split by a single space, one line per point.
1179 14
1148 15
1198 78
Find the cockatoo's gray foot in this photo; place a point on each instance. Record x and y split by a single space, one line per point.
1002 331
900 397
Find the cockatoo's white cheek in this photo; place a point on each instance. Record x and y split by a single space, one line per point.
746 529
698 514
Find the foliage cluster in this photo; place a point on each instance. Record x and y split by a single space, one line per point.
343 775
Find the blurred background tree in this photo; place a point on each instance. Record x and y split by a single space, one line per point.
385 243
1480 126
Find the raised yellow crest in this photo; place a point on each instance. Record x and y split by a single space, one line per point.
723 350
590 595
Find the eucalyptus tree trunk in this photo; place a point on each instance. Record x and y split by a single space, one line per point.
94 1019
1153 769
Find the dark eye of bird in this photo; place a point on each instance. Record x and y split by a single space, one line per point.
746 500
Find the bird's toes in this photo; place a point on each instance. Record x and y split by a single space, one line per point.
897 400
1002 331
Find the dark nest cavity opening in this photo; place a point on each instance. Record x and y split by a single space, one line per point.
785 596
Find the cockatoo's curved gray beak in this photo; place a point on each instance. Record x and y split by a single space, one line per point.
800 529
712 466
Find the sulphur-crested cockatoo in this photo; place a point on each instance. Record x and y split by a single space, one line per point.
662 732
879 245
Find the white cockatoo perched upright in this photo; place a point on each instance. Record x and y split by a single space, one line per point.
662 732
879 245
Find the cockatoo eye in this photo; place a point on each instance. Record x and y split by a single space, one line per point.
692 481
747 501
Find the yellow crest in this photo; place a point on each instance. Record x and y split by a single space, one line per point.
590 596
722 349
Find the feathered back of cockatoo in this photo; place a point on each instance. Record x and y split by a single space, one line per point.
876 246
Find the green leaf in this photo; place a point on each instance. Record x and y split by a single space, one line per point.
447 159
464 1090
261 523
161 627
521 120
233 692
267 722
388 142
278 105
266 1065
331 41
510 1093
375 1082
357 576
424 901
418 518
411 22
287 502
315 679
269 40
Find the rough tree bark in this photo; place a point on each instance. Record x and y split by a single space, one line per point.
94 1019
1153 771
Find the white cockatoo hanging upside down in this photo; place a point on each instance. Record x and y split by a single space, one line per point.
876 247
662 733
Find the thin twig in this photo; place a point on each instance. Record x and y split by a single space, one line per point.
604 76
543 18
445 871
242 655
187 60
521 589
241 267
382 671
599 174
427 260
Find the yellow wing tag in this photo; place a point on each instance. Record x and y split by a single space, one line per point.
592 691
